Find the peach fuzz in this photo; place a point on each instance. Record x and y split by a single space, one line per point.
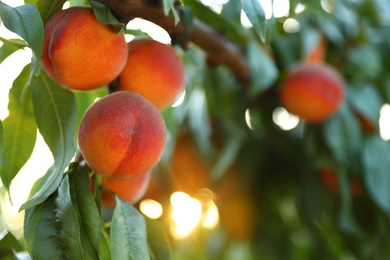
122 136
153 70
312 92
130 191
79 52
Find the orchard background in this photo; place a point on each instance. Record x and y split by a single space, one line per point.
240 177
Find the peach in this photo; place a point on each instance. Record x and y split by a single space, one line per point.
153 70
122 135
130 191
313 92
79 52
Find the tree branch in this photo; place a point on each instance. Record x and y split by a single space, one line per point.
218 49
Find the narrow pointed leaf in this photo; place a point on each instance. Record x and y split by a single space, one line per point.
87 212
256 16
128 233
55 112
376 166
51 228
9 47
19 129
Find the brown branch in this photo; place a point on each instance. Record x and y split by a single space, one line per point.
218 49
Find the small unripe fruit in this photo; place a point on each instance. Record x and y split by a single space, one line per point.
122 135
312 92
79 52
153 70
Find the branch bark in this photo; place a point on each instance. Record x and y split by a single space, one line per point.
218 49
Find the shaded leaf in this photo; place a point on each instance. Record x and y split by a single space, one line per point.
128 233
55 112
226 158
158 240
48 8
343 136
86 211
366 100
256 16
263 69
51 228
19 129
218 22
376 166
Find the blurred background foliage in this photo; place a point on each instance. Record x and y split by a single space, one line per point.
284 189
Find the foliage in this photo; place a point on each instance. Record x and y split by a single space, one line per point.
297 217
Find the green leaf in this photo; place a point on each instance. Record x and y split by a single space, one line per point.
158 240
226 158
169 6
104 249
343 136
10 46
55 112
263 69
19 129
128 233
51 228
220 23
105 16
232 10
48 8
346 218
376 170
86 211
9 242
25 21
366 100
256 16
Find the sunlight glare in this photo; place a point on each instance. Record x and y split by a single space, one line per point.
281 8
291 25
186 214
285 120
179 100
248 119
151 208
328 5
384 122
211 216
155 31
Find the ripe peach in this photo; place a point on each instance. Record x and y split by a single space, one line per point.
122 135
153 70
130 191
312 91
79 52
